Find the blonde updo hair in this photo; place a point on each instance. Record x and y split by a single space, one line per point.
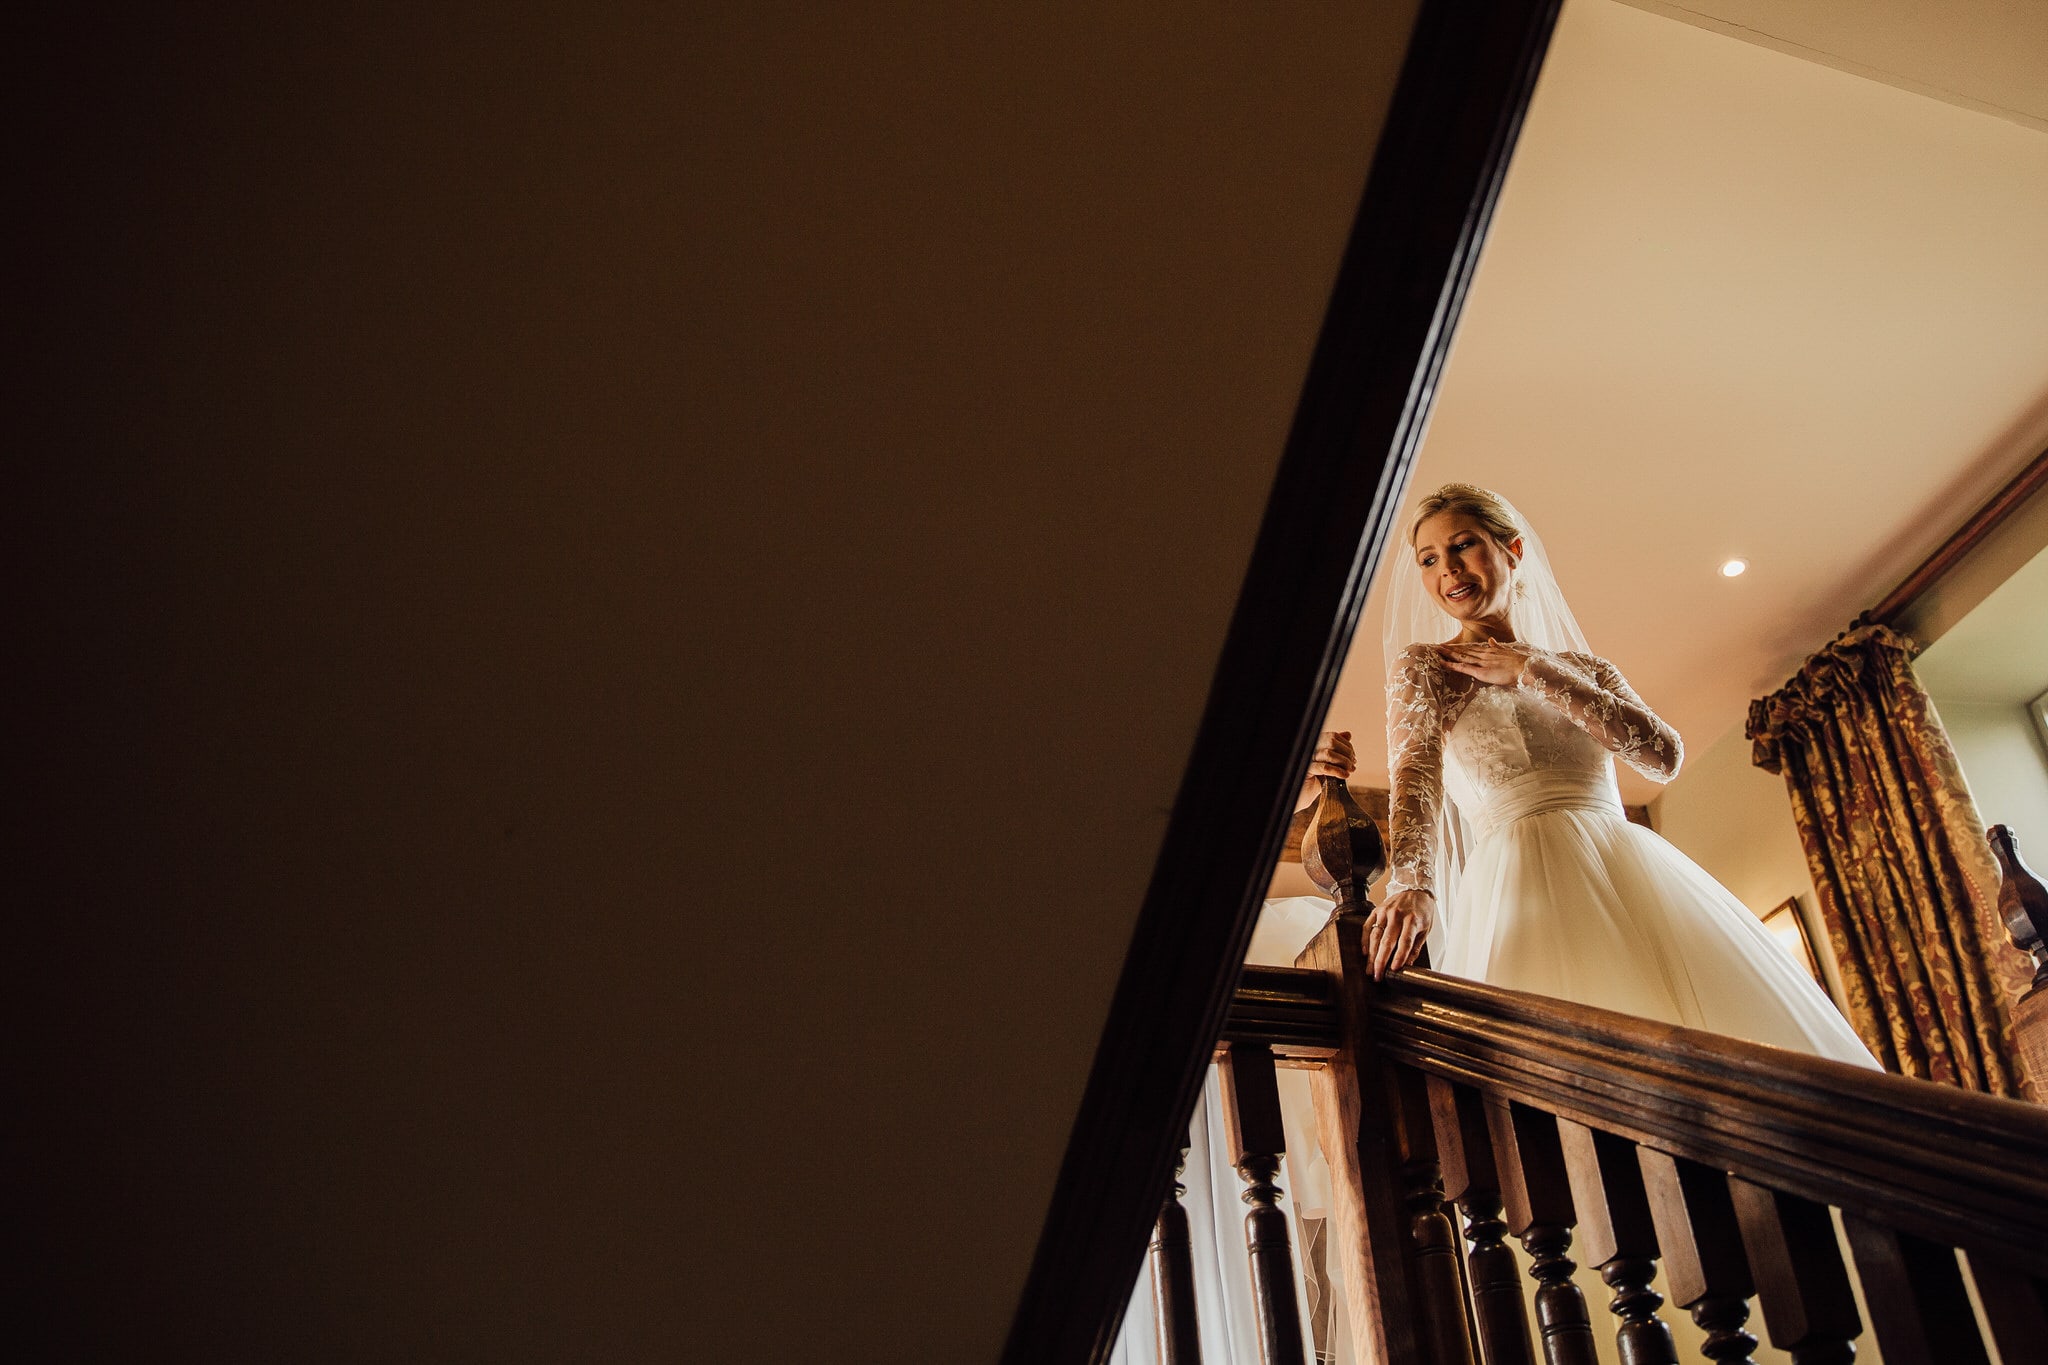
1483 505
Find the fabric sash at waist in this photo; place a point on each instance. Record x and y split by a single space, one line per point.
1541 791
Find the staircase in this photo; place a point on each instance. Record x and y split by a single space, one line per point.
1455 1116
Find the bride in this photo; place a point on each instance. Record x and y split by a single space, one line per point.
1511 857
1510 854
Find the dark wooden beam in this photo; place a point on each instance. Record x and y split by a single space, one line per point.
1443 152
1952 1166
1972 533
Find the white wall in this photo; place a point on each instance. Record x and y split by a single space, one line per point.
1735 820
2005 765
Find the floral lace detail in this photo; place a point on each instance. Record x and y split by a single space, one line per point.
1565 711
1421 707
1607 708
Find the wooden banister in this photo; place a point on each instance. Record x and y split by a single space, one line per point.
1638 1140
1257 1139
1294 1012
1175 1327
1950 1165
1623 1142
1844 1133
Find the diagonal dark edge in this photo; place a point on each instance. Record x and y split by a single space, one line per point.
1443 152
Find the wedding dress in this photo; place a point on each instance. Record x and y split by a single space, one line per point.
1503 805
1559 894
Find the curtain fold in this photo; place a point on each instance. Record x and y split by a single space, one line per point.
1907 883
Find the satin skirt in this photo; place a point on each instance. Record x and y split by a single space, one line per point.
1561 896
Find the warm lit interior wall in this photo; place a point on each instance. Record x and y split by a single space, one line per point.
2001 555
1986 55
2006 766
1981 623
1735 820
615 604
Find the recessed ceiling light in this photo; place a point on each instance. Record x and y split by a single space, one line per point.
1734 568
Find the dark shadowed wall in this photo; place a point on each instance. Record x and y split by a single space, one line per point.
612 603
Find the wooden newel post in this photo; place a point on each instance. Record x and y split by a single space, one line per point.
2023 905
1395 1246
1342 851
1173 1279
1251 1117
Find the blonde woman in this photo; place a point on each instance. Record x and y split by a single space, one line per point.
1510 854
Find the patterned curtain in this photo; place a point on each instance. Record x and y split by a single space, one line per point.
1908 886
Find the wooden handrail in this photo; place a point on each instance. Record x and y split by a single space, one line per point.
1968 537
1750 1172
1950 1165
1292 1011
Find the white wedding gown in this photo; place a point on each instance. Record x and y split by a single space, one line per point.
1556 892
1543 885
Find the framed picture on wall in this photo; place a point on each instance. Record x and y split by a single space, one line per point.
1788 926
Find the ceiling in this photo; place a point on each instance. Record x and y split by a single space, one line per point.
1987 55
1738 303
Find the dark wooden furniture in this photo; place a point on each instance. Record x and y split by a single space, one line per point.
1968 537
1638 1140
2023 905
1751 1173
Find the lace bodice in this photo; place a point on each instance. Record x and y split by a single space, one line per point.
1567 716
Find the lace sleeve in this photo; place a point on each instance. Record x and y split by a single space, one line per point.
1592 694
1415 768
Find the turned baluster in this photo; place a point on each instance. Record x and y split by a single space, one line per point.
1432 1239
1472 1181
1703 1259
1536 1195
2023 905
1919 1309
1618 1237
1173 1279
1251 1115
1802 1285
2015 1305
